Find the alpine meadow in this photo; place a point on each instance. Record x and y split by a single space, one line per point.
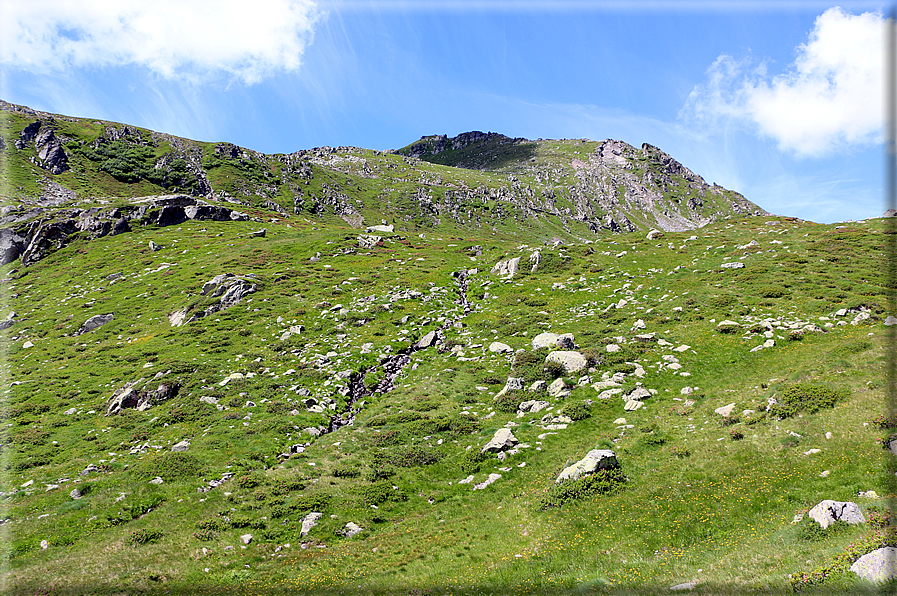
472 365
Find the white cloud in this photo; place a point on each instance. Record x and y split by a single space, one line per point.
831 96
174 38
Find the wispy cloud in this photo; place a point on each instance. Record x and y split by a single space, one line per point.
195 40
829 97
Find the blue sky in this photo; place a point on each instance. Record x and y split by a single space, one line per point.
781 101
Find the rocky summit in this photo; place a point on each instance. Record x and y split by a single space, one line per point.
471 365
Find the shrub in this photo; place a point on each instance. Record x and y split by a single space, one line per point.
248 481
772 292
553 370
806 397
306 504
170 466
730 420
143 536
680 452
283 486
472 460
407 457
736 434
346 471
577 410
601 482
508 402
214 524
205 535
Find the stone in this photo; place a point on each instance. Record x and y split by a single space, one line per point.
91 468
827 512
639 324
258 233
426 341
246 538
381 228
369 242
309 522
94 323
620 421
75 494
154 247
632 405
609 393
683 586
44 545
878 566
157 480
654 235
891 320
182 446
507 268
545 340
572 361
596 459
725 410
733 265
558 389
503 440
500 348
538 386
611 348
351 529
492 478
639 393
533 406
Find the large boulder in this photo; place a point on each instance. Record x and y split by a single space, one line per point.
95 322
878 566
596 459
552 340
558 389
572 361
503 440
827 512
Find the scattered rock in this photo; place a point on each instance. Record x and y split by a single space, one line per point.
154 247
94 323
309 522
503 440
492 478
558 389
75 494
507 268
683 586
369 242
258 233
182 446
157 480
596 459
733 265
572 361
351 529
725 410
384 229
500 348
827 512
891 320
246 538
654 235
427 340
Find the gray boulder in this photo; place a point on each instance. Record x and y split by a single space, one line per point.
309 522
503 440
427 340
351 529
95 322
733 265
572 361
500 348
507 268
181 446
827 512
638 394
878 566
596 459
558 389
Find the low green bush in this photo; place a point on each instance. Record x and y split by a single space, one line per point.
508 402
170 466
472 461
601 482
578 410
806 397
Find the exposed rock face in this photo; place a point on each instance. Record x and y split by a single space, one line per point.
229 287
552 340
129 397
596 459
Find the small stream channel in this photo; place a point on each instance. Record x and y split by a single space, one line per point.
393 365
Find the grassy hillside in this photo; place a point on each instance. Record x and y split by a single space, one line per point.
701 497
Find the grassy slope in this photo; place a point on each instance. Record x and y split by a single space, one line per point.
720 515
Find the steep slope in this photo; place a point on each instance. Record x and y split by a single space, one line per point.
58 168
203 394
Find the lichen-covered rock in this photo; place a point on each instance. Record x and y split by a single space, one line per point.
827 512
596 459
571 360
878 566
503 440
